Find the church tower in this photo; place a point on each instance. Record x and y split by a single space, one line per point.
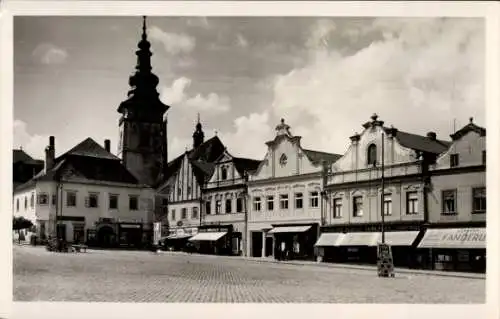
198 135
142 125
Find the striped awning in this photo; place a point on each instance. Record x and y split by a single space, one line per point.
329 239
208 236
398 238
359 239
289 229
464 238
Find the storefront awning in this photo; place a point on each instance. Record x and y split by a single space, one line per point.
398 238
463 238
207 236
178 236
329 239
359 239
289 229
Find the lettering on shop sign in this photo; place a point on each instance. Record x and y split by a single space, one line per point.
463 237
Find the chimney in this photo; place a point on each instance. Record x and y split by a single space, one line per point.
50 154
431 136
107 145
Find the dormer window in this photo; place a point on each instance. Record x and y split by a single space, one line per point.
223 173
372 155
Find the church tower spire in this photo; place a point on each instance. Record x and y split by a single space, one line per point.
198 135
143 127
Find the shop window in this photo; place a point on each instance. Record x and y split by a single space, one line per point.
284 201
71 199
43 199
411 203
256 203
454 160
218 207
337 208
357 206
92 201
387 204
479 200
239 205
194 212
298 201
133 203
183 213
449 200
208 207
270 203
443 258
371 155
229 209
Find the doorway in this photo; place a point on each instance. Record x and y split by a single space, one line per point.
269 246
256 244
105 236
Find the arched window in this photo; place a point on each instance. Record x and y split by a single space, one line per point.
372 154
223 173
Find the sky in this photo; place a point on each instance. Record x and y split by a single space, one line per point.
324 76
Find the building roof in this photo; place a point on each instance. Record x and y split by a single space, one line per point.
318 157
471 127
243 165
89 148
22 156
421 143
86 162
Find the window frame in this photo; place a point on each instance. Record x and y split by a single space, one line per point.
71 194
443 202
314 199
111 198
43 195
410 201
230 210
194 212
218 207
299 198
208 207
387 198
131 199
454 160
257 203
239 205
481 190
284 198
337 203
270 200
172 214
184 214
356 212
371 156
89 199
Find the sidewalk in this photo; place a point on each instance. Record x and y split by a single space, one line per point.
371 268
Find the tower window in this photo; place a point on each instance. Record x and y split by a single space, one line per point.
372 154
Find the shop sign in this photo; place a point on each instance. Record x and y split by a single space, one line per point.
465 235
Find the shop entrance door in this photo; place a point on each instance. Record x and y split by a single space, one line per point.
269 246
256 244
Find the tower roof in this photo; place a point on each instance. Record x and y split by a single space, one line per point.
143 98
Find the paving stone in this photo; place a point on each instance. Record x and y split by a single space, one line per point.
133 276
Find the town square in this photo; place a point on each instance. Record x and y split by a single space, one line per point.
133 276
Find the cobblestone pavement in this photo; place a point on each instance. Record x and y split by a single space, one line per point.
133 276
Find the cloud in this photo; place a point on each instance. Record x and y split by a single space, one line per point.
249 136
173 43
201 22
241 41
176 95
320 34
33 144
47 53
418 75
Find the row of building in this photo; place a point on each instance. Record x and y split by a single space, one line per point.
292 203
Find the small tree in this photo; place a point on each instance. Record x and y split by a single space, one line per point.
19 223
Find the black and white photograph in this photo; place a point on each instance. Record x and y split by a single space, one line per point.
250 159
